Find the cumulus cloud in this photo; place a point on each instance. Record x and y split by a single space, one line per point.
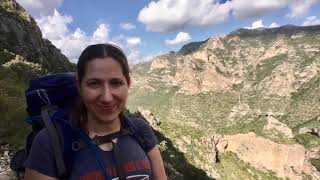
172 15
127 26
133 41
135 56
38 8
259 24
256 24
180 38
71 43
274 25
249 8
299 8
311 21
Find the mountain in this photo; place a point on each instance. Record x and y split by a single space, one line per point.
262 80
24 54
243 105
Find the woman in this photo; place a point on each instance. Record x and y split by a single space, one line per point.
103 80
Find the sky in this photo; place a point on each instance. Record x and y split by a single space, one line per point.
145 29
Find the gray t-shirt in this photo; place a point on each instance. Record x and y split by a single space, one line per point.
85 165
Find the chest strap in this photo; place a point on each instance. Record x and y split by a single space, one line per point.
98 140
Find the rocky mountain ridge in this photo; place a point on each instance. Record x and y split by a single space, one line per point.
24 54
245 60
20 35
263 81
259 86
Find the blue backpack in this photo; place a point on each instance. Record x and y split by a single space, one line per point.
50 100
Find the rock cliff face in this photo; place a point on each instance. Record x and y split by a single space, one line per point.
23 54
262 81
20 35
273 61
248 92
287 161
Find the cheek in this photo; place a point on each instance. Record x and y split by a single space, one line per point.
88 96
122 95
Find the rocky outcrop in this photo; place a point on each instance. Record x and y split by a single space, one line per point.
149 116
287 161
5 172
21 35
275 125
245 60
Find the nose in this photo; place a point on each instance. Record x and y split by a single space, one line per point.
106 95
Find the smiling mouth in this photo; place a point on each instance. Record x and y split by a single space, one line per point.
107 108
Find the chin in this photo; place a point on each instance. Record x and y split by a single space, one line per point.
108 118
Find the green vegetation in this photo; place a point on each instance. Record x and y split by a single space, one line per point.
199 65
5 56
255 126
177 161
307 140
304 107
13 129
176 164
264 70
316 163
231 168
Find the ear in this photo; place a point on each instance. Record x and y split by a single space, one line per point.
78 83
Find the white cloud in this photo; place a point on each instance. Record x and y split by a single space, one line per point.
127 26
134 56
299 8
38 8
249 8
311 21
274 25
259 24
256 24
55 27
101 34
133 41
170 15
71 43
180 38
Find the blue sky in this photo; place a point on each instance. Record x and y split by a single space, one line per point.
145 28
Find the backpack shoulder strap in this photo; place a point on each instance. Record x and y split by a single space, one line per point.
56 141
135 132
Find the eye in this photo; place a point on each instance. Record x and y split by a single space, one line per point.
93 84
116 83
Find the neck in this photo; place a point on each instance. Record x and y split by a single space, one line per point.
97 128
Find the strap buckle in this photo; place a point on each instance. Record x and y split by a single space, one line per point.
76 146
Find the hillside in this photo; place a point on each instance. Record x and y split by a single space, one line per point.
243 105
262 80
24 54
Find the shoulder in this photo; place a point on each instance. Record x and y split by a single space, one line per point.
140 123
143 130
41 155
42 138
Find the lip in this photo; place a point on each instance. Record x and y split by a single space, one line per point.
106 109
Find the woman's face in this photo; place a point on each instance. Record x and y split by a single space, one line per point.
104 90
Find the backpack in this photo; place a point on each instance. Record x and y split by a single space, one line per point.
50 100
